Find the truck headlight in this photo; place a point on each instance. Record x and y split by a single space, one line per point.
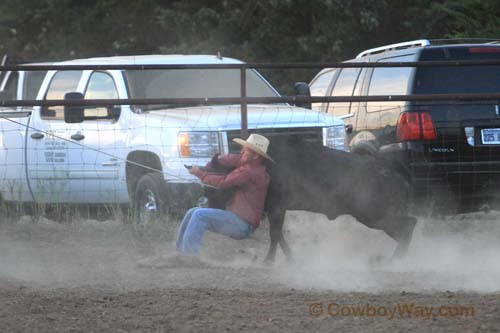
198 144
334 137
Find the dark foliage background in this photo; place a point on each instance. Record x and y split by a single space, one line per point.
254 31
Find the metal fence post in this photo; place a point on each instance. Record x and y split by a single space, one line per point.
244 111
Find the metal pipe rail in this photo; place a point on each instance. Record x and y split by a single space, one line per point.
253 100
304 65
243 100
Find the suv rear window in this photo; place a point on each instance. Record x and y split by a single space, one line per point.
389 81
464 79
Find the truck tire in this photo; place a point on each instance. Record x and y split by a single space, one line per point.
150 199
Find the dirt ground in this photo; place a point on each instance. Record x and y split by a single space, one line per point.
83 275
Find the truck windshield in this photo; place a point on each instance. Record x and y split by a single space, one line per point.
456 80
194 83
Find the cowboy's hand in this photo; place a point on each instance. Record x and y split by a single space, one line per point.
193 169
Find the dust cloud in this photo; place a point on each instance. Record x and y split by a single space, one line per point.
457 253
40 253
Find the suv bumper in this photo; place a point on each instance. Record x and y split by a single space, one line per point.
467 179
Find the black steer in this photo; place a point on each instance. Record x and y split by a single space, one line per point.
314 178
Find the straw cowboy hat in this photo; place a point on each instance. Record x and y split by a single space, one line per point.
256 142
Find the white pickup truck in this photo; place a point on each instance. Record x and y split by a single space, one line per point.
136 154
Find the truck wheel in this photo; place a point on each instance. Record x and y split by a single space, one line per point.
150 199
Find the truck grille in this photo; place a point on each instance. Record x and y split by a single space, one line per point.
279 136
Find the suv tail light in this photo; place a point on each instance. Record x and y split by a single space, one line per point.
484 49
415 126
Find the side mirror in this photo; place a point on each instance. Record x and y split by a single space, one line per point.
114 112
73 114
302 90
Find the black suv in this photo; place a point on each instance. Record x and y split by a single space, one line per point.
449 150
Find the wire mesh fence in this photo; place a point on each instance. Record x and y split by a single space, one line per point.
47 160
123 132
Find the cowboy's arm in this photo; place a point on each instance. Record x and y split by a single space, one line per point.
236 177
227 160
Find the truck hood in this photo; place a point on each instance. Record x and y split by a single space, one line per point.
228 117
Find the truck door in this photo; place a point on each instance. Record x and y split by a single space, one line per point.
13 122
96 163
47 146
76 163
378 120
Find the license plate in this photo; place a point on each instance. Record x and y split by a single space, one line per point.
490 136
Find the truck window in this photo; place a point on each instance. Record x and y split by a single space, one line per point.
32 82
389 81
100 86
344 86
320 84
10 88
62 83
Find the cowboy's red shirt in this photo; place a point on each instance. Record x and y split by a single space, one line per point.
250 181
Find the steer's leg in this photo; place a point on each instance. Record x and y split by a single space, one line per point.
276 220
285 247
401 232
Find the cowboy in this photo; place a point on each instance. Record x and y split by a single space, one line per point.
245 208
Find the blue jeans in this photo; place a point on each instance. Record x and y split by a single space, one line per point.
197 220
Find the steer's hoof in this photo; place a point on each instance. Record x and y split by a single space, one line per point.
268 262
400 252
378 261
